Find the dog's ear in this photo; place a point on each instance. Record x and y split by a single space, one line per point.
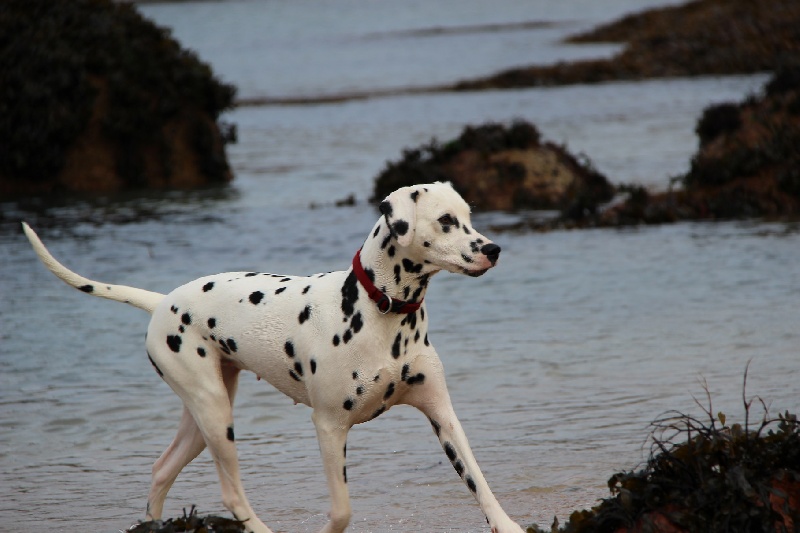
400 211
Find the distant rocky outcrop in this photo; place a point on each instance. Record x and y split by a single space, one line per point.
747 163
95 97
703 37
498 167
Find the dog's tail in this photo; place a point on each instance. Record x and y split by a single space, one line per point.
140 298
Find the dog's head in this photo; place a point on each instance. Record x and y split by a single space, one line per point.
432 221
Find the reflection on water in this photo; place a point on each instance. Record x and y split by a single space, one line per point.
557 360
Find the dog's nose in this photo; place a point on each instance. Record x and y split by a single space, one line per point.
492 251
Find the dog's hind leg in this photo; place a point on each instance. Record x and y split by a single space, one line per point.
332 439
187 444
206 392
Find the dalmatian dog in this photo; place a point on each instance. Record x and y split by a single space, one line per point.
349 344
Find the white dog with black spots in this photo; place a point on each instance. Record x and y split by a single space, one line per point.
349 344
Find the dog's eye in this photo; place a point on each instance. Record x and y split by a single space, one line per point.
446 220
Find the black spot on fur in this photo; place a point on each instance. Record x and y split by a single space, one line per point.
278 291
389 391
466 258
411 267
426 244
375 233
348 404
232 345
355 374
181 328
436 427
391 251
294 376
370 274
397 274
305 314
426 340
357 323
360 390
186 318
208 286
419 378
386 208
173 309
174 343
344 473
158 370
347 336
450 451
224 346
284 280
336 340
256 297
87 288
412 320
313 366
308 287
230 435
404 372
201 352
459 466
386 241
298 368
349 294
288 347
396 346
416 337
379 412
466 230
400 227
212 322
414 195
471 485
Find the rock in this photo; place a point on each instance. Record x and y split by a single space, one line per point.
697 38
747 165
721 478
495 167
97 98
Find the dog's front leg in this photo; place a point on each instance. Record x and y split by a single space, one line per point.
431 397
332 438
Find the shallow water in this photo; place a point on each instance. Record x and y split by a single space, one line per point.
557 360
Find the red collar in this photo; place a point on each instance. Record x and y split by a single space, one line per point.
385 303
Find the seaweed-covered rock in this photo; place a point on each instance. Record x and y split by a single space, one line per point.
750 162
96 98
720 479
190 522
747 165
503 168
697 38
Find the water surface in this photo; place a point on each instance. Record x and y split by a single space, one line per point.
557 360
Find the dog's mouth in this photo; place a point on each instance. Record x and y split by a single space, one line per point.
475 273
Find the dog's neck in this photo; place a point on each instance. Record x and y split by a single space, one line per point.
395 273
